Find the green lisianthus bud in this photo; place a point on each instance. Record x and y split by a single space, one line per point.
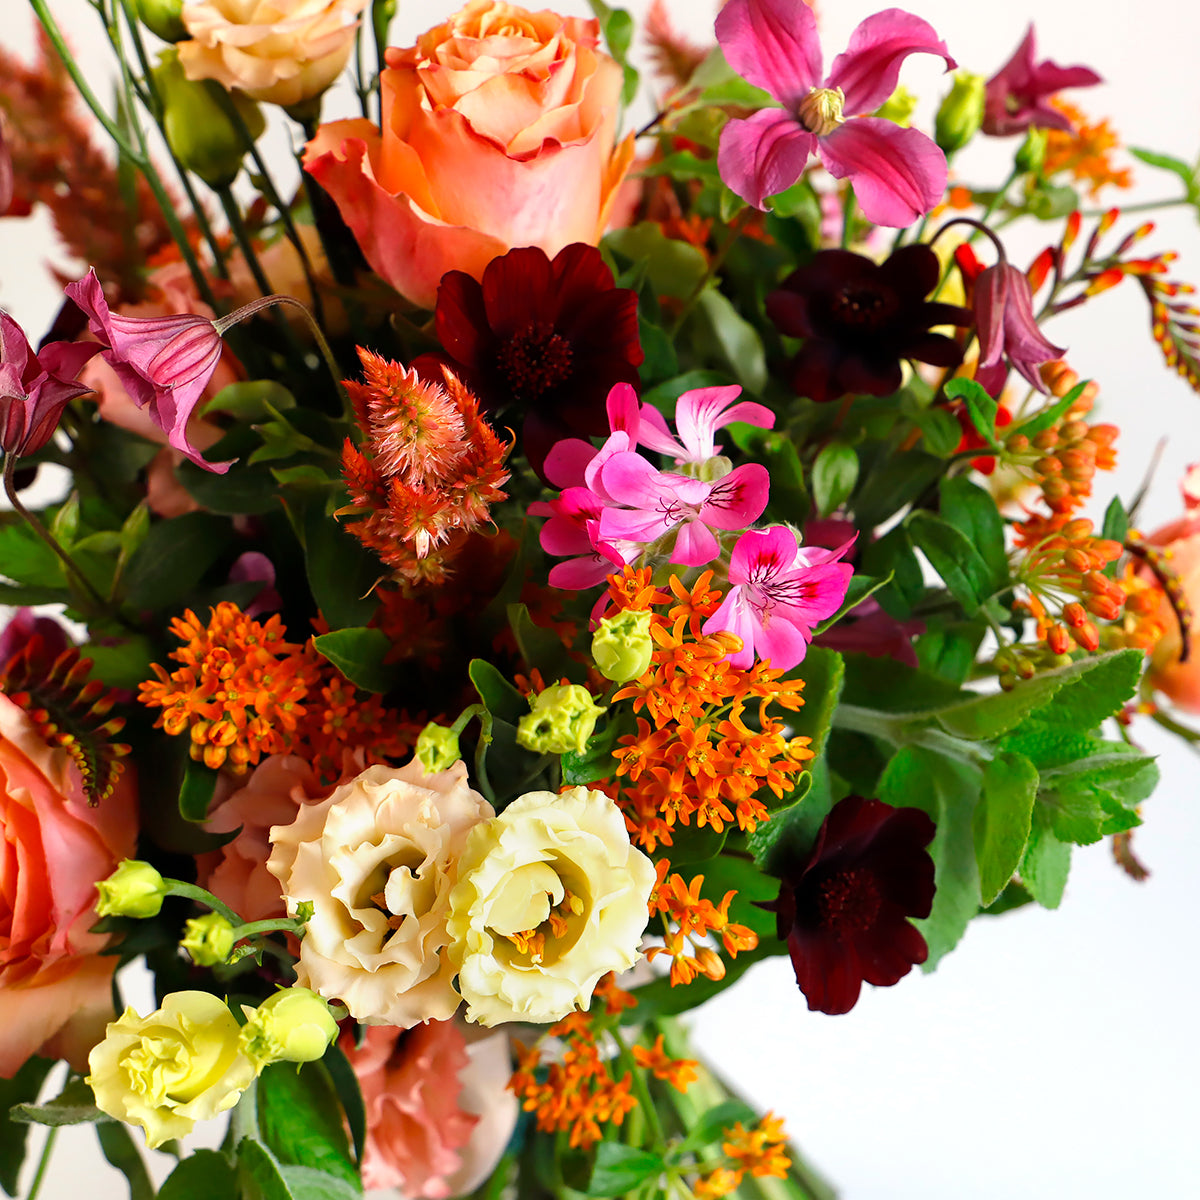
562 720
164 19
437 748
1032 153
134 889
294 1025
196 123
961 113
208 939
898 107
622 646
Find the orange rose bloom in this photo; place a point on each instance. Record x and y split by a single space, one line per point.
498 131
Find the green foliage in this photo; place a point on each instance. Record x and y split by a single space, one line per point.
203 1175
1003 820
121 1151
973 513
735 341
172 559
74 1105
954 557
359 654
196 790
981 408
834 474
22 1088
620 1169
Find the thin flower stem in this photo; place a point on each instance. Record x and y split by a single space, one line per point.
643 1092
233 214
848 210
189 891
1145 206
43 1162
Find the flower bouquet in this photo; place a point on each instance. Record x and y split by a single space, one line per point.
514 570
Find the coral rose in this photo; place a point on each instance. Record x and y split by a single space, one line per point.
498 131
276 51
439 1112
550 896
55 991
377 860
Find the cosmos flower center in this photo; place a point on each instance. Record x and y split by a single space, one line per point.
534 360
820 112
849 901
863 306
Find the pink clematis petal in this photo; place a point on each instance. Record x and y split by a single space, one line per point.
773 44
764 154
1007 326
868 69
897 174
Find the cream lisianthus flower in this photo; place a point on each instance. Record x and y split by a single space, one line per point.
276 51
165 1072
550 896
377 861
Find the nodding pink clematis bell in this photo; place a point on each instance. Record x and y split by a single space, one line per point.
1008 329
898 174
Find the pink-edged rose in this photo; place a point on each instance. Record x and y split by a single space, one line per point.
439 1112
499 130
55 993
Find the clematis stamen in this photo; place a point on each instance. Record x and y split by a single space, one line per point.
820 112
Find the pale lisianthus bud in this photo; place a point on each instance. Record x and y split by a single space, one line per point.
562 720
294 1025
960 115
622 646
437 748
208 939
134 889
898 107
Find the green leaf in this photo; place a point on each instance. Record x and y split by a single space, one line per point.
733 337
203 1175
305 1183
173 558
948 791
196 790
119 1148
953 556
1112 680
1049 203
349 1093
74 1105
861 586
947 648
498 695
973 512
1073 814
1045 865
889 686
893 555
823 672
788 835
725 873
892 482
660 999
123 665
1167 162
621 1169
674 268
301 1122
22 1088
714 1122
359 654
834 474
251 399
25 558
1049 415
542 648
258 1172
1116 521
981 408
241 491
1003 820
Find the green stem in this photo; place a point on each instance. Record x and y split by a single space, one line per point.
642 1091
189 891
1190 736
848 208
43 1162
233 214
1145 206
893 729
714 265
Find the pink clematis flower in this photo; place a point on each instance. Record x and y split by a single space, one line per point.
898 174
35 388
163 362
1007 328
657 502
1017 95
779 593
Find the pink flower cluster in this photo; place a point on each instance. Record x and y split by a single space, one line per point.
616 508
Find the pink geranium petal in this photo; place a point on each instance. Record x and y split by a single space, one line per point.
738 499
773 44
695 544
764 154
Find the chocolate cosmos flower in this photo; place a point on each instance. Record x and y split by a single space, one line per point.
844 911
548 338
860 318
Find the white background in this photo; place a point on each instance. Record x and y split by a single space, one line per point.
1052 1056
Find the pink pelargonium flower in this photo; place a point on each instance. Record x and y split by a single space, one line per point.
1008 328
572 532
698 415
779 593
657 502
898 174
163 362
35 388
1018 95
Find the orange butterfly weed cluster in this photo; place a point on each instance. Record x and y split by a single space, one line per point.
704 748
1086 150
757 1151
244 692
427 472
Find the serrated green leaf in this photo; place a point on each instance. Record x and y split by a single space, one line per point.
359 654
1045 865
727 873
620 1169
973 512
74 1105
202 1175
948 791
824 673
953 556
301 1122
834 474
1073 814
22 1088
1003 820
947 648
1112 680
788 834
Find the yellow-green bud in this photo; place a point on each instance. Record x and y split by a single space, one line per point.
961 113
622 646
562 720
164 19
437 748
134 889
198 129
1032 153
898 107
294 1025
208 939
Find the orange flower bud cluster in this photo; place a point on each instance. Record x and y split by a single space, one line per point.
1085 149
758 1151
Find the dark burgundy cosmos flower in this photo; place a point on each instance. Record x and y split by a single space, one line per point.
860 318
1018 95
547 338
844 911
